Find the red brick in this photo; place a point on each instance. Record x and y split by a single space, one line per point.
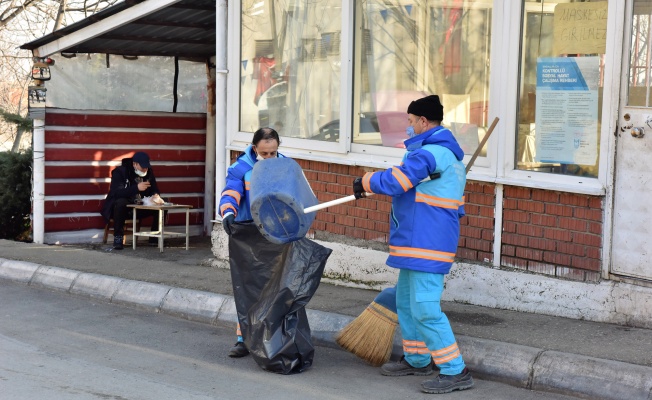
508 250
541 268
369 204
384 207
570 273
310 175
326 177
339 169
377 216
364 224
474 186
529 230
346 180
574 199
461 242
571 248
513 262
592 277
517 192
509 226
481 199
338 189
561 210
358 212
354 232
381 226
516 216
514 239
544 220
356 171
487 212
485 257
324 216
573 224
488 235
489 189
587 239
467 254
595 228
541 244
477 244
318 166
319 186
485 223
511 204
344 220
304 164
336 229
471 209
375 236
594 252
530 206
557 234
529 254
319 225
596 202
545 196
471 232
588 213
590 264
556 258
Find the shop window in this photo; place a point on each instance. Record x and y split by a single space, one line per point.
290 67
407 51
560 86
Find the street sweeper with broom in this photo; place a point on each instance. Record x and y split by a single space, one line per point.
422 244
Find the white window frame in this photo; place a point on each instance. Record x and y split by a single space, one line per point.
498 166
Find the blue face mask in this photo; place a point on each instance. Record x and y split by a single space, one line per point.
409 131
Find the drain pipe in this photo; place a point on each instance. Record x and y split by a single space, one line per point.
38 185
221 73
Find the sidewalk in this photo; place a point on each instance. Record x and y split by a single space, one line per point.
580 358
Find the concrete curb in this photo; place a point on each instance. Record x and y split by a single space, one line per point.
521 366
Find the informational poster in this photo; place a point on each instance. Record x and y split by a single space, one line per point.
567 110
580 28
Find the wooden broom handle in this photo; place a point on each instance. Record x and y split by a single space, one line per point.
352 197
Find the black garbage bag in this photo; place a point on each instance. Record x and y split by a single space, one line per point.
272 284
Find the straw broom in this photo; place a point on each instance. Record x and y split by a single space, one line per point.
370 336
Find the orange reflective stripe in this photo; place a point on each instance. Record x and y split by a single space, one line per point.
246 185
226 207
448 358
237 330
366 182
438 201
414 343
421 253
232 193
402 179
445 350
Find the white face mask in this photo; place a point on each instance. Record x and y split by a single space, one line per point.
140 173
259 157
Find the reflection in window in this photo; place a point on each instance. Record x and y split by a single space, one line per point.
290 67
639 73
407 51
560 88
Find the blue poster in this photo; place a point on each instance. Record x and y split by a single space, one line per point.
567 110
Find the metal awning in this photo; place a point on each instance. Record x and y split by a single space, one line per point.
182 28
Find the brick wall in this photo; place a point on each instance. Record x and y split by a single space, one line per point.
552 233
544 232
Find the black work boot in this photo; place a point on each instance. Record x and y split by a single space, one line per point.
448 383
152 242
238 350
403 368
117 242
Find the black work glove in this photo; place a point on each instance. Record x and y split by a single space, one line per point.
358 190
227 223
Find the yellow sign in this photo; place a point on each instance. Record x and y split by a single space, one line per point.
580 28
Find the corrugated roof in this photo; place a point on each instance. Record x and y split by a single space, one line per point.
184 28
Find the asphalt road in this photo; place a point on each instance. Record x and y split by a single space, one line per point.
60 346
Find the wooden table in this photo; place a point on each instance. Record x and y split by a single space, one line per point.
160 234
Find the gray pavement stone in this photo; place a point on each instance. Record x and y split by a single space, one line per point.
141 294
193 304
96 285
228 312
18 271
54 278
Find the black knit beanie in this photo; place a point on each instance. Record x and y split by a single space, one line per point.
429 107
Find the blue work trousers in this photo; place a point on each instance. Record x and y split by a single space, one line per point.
425 328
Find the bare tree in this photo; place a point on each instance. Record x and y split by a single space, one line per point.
22 21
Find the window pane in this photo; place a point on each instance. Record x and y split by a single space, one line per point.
290 67
560 87
407 51
639 72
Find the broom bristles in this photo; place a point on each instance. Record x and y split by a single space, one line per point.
370 336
